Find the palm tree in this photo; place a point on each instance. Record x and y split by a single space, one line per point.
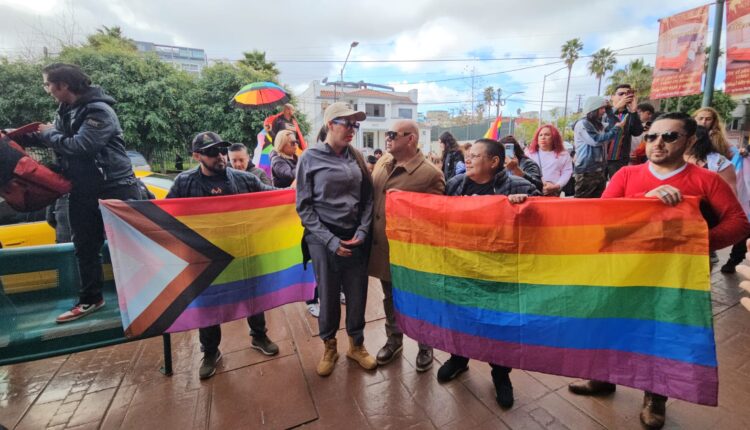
638 74
570 51
602 61
256 60
489 97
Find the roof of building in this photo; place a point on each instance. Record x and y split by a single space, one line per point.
369 93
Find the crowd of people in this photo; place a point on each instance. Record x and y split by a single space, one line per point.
622 149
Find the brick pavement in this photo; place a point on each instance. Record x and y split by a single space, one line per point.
120 387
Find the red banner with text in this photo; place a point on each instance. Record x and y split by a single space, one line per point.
680 54
738 47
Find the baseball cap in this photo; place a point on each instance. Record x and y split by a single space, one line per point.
340 110
207 139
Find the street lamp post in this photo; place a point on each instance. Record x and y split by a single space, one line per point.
501 102
341 78
544 83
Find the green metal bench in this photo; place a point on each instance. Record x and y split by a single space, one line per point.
40 282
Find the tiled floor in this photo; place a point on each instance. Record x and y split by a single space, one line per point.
120 387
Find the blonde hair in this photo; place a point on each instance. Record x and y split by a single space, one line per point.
717 133
281 140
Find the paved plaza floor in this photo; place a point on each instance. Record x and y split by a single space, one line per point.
120 387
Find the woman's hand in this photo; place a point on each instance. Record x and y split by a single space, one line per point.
512 165
550 189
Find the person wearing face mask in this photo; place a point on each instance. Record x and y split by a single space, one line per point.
590 137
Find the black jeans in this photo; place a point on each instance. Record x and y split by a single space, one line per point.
210 337
737 255
88 235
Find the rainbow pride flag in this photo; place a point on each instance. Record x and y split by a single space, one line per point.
614 290
181 264
262 153
494 131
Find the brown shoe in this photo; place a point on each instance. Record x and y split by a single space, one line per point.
424 360
389 352
330 355
359 354
592 388
654 410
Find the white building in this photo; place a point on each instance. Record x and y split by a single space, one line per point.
383 107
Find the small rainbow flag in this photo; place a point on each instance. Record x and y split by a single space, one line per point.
614 290
494 131
262 154
181 264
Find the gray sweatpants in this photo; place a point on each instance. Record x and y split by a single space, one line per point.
335 274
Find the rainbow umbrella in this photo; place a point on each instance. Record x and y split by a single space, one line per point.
260 95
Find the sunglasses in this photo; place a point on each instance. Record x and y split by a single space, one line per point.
214 151
668 137
624 93
347 124
393 135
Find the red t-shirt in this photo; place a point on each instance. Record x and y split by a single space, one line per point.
732 225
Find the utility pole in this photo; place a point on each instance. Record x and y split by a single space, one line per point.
471 108
499 98
580 96
713 58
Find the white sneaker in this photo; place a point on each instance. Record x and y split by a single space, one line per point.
342 298
314 309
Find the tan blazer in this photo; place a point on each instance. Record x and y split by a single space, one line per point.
418 175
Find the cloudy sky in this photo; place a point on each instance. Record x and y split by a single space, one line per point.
488 42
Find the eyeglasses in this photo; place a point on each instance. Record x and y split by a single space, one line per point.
668 137
393 135
473 157
347 124
214 151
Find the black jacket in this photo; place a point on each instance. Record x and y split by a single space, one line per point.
531 172
504 184
88 141
449 165
190 183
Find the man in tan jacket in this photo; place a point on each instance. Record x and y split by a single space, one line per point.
404 168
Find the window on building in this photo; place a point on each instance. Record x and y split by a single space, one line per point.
368 139
734 124
404 113
375 110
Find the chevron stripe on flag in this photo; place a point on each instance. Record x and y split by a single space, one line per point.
181 264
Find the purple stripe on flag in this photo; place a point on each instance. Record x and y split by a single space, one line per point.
193 318
693 383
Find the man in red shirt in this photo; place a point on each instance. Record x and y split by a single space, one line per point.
668 177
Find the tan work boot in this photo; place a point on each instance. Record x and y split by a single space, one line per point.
330 355
361 356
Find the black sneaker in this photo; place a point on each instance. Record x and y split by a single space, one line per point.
452 368
503 390
264 345
208 364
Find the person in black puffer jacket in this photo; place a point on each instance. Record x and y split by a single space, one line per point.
88 142
486 175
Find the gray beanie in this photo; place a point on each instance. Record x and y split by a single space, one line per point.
593 103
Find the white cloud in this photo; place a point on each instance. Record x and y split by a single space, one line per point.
385 29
